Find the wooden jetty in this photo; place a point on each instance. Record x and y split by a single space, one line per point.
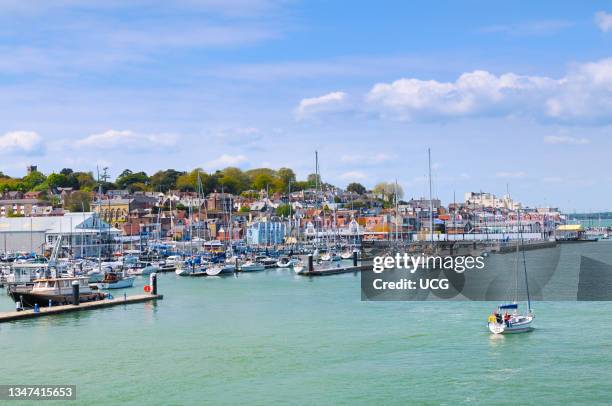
47 311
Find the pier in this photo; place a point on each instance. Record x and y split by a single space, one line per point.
338 270
47 311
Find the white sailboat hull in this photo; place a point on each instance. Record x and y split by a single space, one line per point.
523 324
127 282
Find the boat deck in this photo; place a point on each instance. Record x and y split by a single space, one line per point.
47 311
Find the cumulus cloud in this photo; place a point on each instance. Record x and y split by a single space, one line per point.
603 21
583 94
21 142
473 93
126 139
565 139
329 102
226 160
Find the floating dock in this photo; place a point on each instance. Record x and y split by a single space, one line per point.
338 270
47 311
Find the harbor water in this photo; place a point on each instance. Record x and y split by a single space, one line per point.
274 337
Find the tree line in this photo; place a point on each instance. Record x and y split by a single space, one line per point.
231 180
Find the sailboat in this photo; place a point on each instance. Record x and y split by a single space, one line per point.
512 321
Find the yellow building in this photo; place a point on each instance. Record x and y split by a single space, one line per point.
113 211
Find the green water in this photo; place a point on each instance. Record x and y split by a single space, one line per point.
273 337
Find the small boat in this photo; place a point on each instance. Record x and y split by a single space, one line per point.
57 291
514 322
219 269
143 269
268 262
114 280
330 256
510 323
95 276
346 254
299 269
286 262
252 266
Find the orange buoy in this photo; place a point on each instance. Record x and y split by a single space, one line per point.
147 288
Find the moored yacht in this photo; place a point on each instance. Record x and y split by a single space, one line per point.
57 291
114 280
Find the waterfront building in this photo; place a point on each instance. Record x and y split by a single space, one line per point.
24 207
266 233
83 234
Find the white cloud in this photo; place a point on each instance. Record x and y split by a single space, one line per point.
21 142
226 160
327 103
353 176
473 93
126 139
565 139
584 94
603 21
511 175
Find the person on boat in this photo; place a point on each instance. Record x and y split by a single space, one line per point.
492 317
498 317
507 319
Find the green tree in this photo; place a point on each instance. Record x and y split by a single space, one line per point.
313 180
286 176
128 178
57 180
262 181
33 179
84 180
388 191
356 188
78 201
188 181
283 210
234 180
165 180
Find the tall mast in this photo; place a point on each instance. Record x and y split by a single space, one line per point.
524 262
396 212
430 197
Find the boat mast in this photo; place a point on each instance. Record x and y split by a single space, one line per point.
524 261
430 198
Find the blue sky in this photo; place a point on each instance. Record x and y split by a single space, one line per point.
511 93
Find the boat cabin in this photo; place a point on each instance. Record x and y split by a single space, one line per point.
62 286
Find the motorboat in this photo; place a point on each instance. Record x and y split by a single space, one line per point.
219 269
330 256
54 291
114 280
286 262
251 266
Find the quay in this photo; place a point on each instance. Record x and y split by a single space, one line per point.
526 246
47 311
338 270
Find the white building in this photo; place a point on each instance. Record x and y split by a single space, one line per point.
83 234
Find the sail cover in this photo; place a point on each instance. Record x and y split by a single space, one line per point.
508 306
